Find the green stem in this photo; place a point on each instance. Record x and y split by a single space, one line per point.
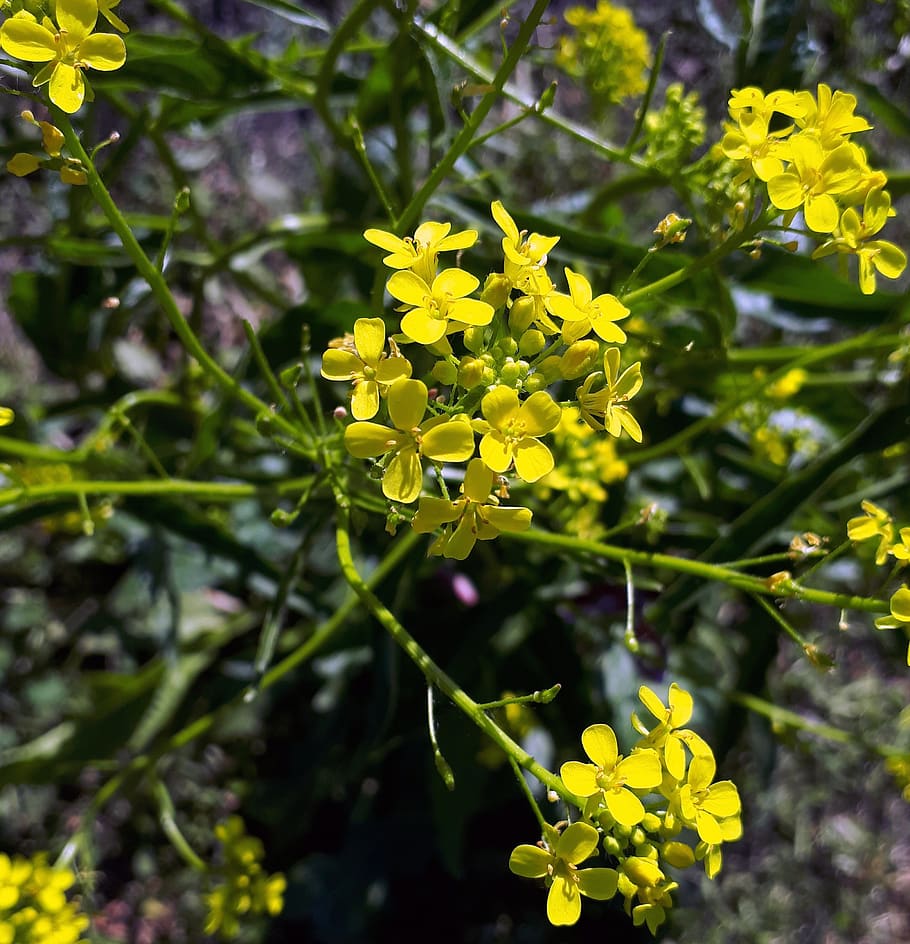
463 139
211 491
431 671
167 818
540 697
711 572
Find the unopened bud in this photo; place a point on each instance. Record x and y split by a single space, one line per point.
521 315
470 372
496 290
579 359
473 339
531 342
445 372
339 412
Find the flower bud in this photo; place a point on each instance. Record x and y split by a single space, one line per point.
579 359
445 372
521 315
531 342
508 373
551 368
496 290
638 837
651 823
534 382
473 339
678 854
470 372
612 846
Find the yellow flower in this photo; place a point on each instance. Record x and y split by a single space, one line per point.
831 117
476 516
760 152
522 252
6 416
900 614
813 179
610 400
420 251
367 366
511 429
755 100
432 306
611 778
669 736
556 861
441 438
856 238
581 312
52 139
67 50
712 809
33 905
875 523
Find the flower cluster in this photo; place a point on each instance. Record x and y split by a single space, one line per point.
636 807
67 45
877 524
245 888
33 905
812 166
22 164
673 132
520 335
607 53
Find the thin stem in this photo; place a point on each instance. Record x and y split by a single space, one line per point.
540 697
265 368
526 790
649 94
775 614
442 765
463 139
167 818
431 671
630 639
711 572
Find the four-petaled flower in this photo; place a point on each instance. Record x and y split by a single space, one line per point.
440 438
814 178
612 777
581 311
556 862
875 523
420 251
669 736
67 50
523 253
856 239
366 366
511 428
476 516
609 401
712 809
433 306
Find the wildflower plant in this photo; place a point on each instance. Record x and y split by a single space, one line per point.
497 379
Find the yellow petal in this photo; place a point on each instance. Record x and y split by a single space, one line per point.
498 407
533 460
452 441
599 743
20 165
579 778
77 18
640 770
496 451
369 338
563 902
103 51
421 327
577 843
625 807
404 476
67 88
365 400
407 403
28 40
455 283
340 365
539 413
529 861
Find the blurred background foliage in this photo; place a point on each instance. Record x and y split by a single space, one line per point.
127 621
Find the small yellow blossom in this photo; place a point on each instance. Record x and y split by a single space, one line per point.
712 809
6 416
581 311
431 307
476 516
609 401
611 778
420 252
876 523
830 117
367 366
813 179
33 903
900 614
440 438
523 253
67 50
555 860
669 736
856 238
510 430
